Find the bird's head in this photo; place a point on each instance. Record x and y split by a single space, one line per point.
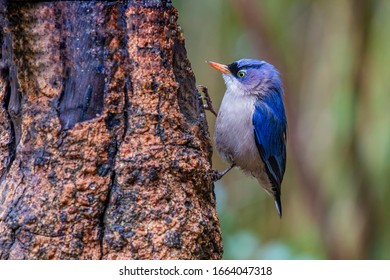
249 76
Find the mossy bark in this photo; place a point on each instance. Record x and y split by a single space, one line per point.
104 144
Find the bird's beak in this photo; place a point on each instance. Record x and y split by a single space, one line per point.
220 67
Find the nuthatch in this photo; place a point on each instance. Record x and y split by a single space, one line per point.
250 130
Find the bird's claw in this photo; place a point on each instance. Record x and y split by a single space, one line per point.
204 93
217 175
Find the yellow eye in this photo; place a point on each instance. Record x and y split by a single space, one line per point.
241 74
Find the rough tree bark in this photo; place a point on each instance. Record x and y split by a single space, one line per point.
104 146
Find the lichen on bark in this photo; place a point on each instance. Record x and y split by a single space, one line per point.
104 147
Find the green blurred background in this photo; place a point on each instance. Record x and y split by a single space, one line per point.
333 57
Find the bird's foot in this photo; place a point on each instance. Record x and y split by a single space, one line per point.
217 175
204 93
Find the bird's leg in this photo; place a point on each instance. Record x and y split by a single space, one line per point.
218 175
209 105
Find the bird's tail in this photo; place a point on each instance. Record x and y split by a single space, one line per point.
276 192
278 203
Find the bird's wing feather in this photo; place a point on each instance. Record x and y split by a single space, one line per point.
270 137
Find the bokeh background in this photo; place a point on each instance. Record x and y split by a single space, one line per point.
334 57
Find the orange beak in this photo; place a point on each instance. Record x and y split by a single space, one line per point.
220 67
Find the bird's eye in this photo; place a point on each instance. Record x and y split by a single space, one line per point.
241 73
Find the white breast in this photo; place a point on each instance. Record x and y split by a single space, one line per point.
234 135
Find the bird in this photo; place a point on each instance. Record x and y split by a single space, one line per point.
251 125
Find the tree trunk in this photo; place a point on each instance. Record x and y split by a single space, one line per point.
104 144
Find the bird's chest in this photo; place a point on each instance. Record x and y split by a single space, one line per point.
234 135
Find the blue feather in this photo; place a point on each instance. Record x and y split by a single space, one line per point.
269 122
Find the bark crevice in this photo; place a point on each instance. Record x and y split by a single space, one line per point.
82 54
12 141
11 101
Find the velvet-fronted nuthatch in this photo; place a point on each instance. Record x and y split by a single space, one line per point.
251 124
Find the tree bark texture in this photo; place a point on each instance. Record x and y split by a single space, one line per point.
104 146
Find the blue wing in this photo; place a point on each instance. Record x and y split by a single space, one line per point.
270 137
269 122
